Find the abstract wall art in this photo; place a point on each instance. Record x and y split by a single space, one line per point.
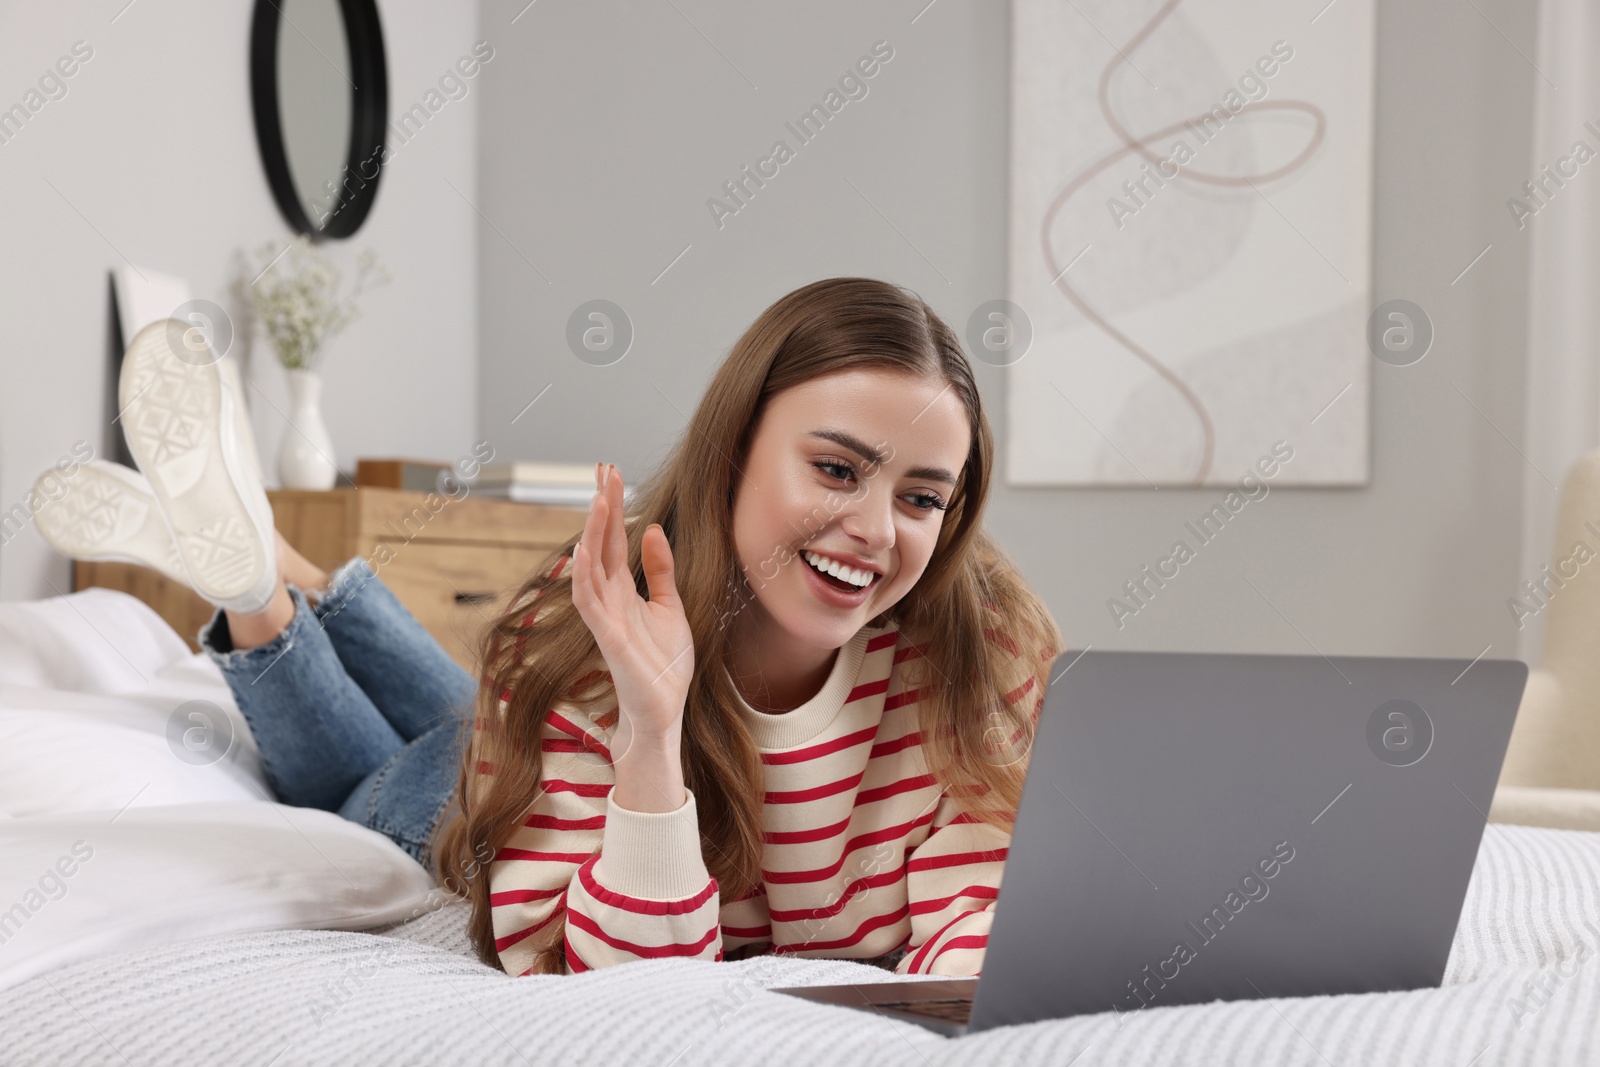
1190 240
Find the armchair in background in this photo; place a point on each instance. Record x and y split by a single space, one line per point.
1551 775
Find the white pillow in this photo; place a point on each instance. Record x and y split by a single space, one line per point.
77 886
98 706
96 641
63 751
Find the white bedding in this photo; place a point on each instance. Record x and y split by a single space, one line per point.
80 885
415 995
90 686
1521 986
137 812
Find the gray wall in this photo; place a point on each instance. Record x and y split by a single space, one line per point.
605 126
154 156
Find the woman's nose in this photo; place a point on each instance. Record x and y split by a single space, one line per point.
870 520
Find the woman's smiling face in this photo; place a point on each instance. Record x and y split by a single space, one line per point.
853 469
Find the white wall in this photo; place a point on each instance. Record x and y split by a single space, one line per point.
607 125
152 155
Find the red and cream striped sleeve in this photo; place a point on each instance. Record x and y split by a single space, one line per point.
647 895
561 830
952 882
630 885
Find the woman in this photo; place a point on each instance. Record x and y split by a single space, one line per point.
784 705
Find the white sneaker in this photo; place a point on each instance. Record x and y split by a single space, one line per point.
189 433
247 439
107 513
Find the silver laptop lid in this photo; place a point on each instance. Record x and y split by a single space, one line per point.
1204 826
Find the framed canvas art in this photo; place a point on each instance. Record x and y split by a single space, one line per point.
1190 240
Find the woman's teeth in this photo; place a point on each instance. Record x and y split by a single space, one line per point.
857 578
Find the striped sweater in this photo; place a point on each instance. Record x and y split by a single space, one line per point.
865 854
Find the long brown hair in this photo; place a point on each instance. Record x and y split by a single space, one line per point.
970 614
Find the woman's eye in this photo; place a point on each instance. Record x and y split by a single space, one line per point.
926 501
836 470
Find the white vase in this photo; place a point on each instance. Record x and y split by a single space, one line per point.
305 459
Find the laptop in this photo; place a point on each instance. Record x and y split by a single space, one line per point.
1198 827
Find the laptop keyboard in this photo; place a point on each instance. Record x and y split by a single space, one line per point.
952 1010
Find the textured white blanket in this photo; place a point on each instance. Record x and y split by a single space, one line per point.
1521 988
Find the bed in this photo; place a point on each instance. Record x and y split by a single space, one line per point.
220 927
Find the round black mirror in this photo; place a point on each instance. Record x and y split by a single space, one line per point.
320 90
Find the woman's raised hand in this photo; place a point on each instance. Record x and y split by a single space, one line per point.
647 644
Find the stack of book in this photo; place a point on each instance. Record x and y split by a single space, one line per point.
569 484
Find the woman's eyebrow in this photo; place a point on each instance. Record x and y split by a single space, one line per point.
876 458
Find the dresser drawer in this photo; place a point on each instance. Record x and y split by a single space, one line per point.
456 591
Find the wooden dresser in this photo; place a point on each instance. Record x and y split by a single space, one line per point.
453 567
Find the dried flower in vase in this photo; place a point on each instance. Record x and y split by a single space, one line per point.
296 298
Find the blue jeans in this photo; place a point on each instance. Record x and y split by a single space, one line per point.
355 708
